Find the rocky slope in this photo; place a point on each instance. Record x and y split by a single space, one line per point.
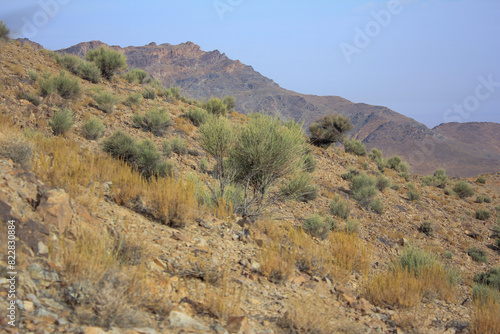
209 276
203 75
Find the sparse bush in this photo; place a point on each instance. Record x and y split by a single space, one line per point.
340 207
29 97
328 130
393 162
137 75
172 94
426 181
413 195
178 145
426 229
204 165
477 254
309 163
156 120
33 75
377 206
70 63
414 260
215 106
121 146
350 174
463 190
490 278
15 146
375 154
106 101
197 116
63 85
300 188
4 31
351 226
133 99
61 121
363 189
149 160
440 179
382 182
317 226
167 148
483 199
481 180
89 71
149 93
93 128
193 152
355 146
447 254
230 103
108 61
482 214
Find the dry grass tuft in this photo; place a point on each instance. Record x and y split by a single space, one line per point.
486 313
224 300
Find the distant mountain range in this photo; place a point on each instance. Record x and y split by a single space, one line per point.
463 150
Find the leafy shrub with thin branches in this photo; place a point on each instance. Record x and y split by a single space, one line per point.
481 179
108 60
61 121
156 120
138 76
440 179
477 254
215 106
63 84
149 93
363 189
463 189
70 63
340 207
4 31
382 182
106 101
375 154
482 214
178 145
197 116
377 206
355 146
121 146
309 163
93 128
133 100
300 188
328 130
318 226
230 103
13 145
89 71
426 229
483 199
490 278
35 100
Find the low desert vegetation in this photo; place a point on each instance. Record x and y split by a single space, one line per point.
63 84
340 207
355 146
106 101
155 120
462 189
61 121
137 76
4 32
93 128
477 254
329 130
108 61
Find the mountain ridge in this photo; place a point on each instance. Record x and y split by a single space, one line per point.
204 74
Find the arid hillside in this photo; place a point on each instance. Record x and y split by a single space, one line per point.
202 75
121 224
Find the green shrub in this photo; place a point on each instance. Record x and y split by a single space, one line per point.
340 207
481 179
64 85
203 165
93 128
197 116
89 71
426 229
414 259
355 146
413 195
106 101
108 61
377 206
483 199
33 75
440 179
149 160
149 93
18 148
463 190
4 31
382 182
350 174
193 152
447 254
496 228
328 130
393 162
166 148
363 189
121 146
133 99
426 181
300 188
215 106
137 76
29 97
375 154
70 63
477 254
482 293
230 103
156 120
449 192
61 121
490 278
482 214
172 94
178 145
309 163
351 226
317 226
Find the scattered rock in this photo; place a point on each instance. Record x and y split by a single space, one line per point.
181 320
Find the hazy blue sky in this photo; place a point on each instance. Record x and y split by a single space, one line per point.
432 60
